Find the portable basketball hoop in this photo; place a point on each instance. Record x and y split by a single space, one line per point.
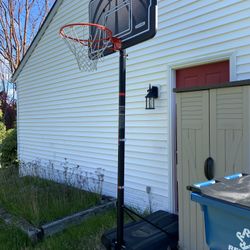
89 42
113 26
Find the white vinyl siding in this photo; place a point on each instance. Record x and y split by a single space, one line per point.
64 113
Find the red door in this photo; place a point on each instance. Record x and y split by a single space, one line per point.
203 75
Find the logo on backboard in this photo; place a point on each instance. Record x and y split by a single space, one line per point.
244 239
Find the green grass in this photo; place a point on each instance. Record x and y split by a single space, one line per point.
40 201
12 238
83 237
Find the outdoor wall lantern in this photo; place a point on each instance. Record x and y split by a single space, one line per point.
151 96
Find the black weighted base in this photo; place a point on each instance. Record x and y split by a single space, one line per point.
141 235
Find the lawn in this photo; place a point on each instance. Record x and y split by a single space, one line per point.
40 201
85 236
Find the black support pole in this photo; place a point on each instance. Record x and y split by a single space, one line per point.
121 151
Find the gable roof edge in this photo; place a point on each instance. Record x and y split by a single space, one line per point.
37 38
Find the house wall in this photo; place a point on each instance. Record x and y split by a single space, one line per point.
64 113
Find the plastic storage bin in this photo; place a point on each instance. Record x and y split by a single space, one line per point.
226 207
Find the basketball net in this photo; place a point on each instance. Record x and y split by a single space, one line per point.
88 42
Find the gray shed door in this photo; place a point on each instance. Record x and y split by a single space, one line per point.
227 121
210 123
192 149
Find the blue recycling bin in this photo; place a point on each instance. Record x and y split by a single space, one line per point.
226 206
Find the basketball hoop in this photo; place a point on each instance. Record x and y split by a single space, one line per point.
89 42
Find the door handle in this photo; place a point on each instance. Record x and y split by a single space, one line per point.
209 168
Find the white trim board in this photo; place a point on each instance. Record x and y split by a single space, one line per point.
195 61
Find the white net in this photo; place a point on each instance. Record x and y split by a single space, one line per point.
87 43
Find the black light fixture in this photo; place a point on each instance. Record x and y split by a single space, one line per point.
151 96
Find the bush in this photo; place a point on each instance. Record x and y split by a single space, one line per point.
9 149
2 131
